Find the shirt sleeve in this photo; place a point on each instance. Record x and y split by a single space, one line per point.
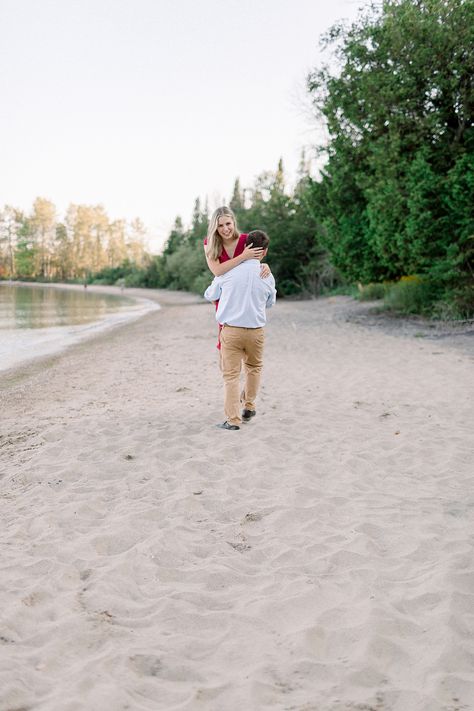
271 298
213 291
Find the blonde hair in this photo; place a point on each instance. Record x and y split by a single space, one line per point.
214 240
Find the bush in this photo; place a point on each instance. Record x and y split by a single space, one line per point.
201 283
455 304
127 271
184 266
412 295
373 291
134 279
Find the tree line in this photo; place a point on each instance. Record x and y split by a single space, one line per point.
298 261
397 192
393 207
39 246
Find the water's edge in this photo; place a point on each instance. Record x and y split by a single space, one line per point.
28 345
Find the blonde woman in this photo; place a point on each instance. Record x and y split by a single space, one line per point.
225 248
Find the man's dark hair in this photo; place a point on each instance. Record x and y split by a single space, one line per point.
258 238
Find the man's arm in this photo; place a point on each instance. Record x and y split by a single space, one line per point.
213 291
271 298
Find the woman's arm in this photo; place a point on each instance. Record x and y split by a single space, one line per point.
218 268
265 271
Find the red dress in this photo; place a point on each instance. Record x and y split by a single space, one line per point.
239 248
224 257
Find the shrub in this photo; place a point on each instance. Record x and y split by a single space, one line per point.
373 291
412 295
201 283
134 279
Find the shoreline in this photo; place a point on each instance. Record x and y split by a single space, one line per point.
309 560
54 340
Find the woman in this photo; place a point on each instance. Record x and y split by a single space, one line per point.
225 248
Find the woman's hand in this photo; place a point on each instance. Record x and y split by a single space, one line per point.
251 252
265 271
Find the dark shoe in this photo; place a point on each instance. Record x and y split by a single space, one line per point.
226 426
248 414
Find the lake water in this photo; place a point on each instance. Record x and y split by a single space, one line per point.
40 320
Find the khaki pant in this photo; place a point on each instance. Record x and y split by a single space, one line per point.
241 345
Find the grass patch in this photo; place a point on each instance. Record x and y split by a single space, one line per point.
341 290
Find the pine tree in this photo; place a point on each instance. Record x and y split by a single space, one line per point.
177 237
237 203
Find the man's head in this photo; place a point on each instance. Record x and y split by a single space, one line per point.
258 238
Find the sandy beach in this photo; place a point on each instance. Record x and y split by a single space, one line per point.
320 559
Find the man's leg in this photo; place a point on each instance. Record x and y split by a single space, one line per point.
253 363
231 359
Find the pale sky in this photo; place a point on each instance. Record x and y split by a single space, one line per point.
144 105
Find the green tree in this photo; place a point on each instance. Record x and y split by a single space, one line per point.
176 238
26 250
199 224
237 202
400 113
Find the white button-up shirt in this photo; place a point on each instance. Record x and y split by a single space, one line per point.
243 295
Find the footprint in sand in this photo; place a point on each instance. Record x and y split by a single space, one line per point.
146 664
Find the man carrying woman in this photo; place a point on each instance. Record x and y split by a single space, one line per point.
243 292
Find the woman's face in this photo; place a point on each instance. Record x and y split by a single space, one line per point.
225 227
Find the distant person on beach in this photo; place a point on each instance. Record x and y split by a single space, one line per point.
243 297
225 247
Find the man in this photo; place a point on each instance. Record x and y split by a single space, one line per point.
243 299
